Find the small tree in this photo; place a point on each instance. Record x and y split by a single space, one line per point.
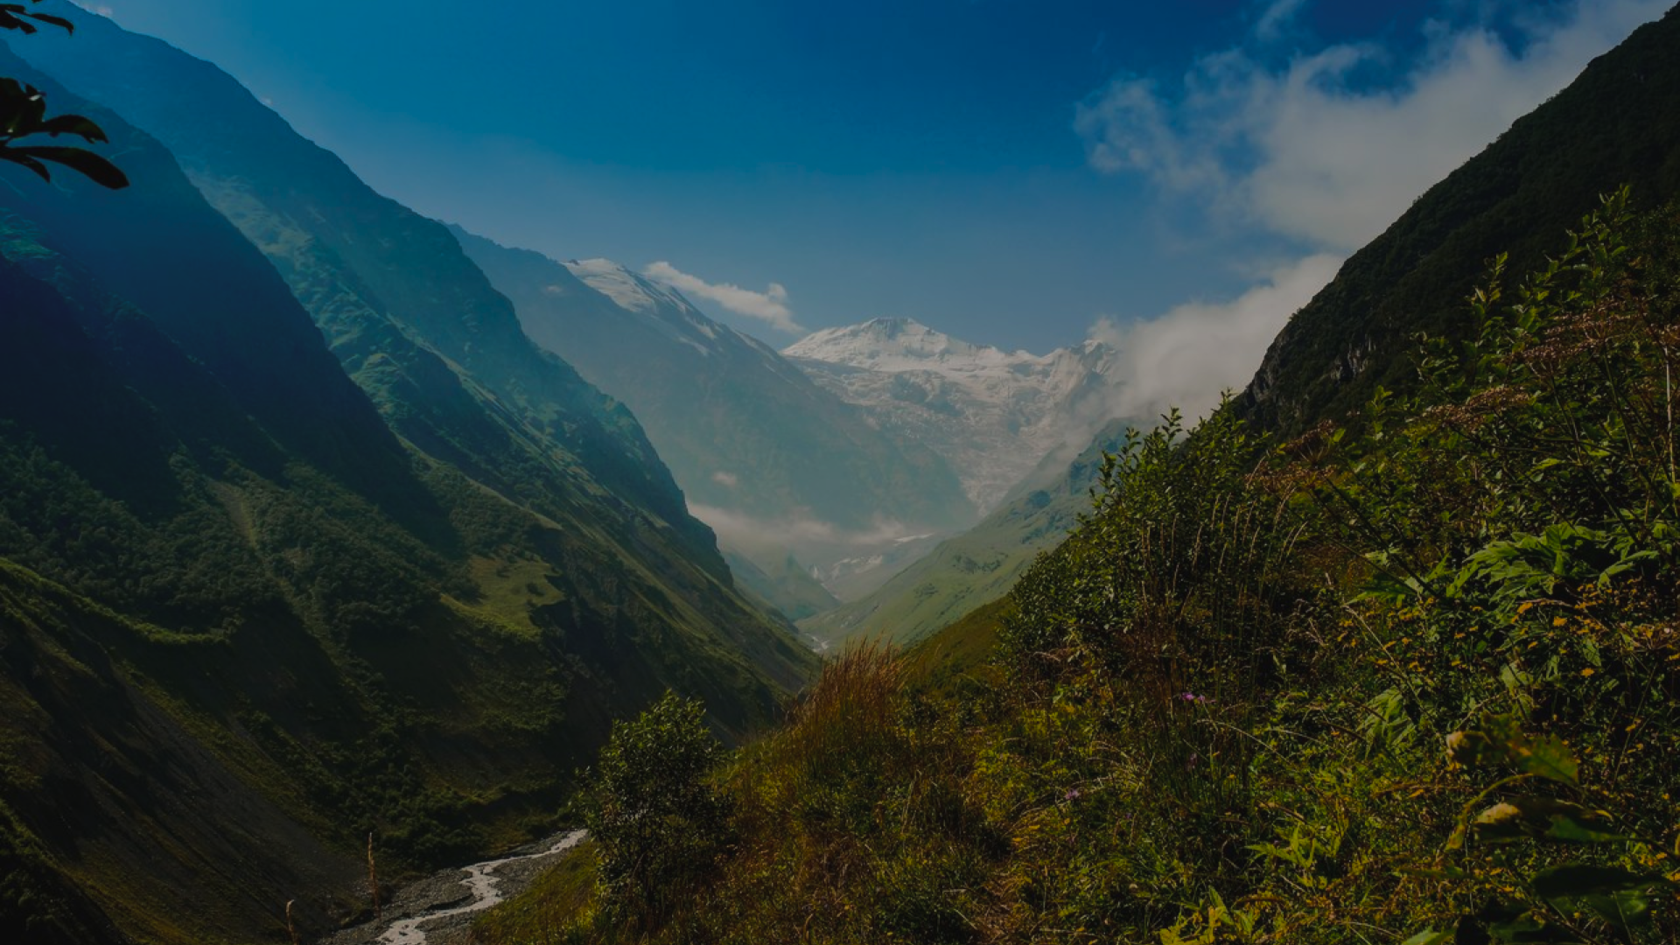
657 823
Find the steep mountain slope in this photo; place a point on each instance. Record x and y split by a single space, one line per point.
748 436
420 328
1618 123
980 565
992 414
344 248
243 623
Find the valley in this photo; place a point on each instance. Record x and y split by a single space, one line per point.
359 519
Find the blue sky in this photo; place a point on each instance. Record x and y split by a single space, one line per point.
1014 172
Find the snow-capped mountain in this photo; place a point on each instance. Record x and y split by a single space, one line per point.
769 459
666 311
993 414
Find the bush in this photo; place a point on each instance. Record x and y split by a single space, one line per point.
657 823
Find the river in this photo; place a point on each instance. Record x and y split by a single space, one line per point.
439 909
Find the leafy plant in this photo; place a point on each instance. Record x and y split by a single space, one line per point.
23 115
656 822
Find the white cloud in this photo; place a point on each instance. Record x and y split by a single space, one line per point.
1189 356
1276 18
726 479
1301 150
794 531
769 306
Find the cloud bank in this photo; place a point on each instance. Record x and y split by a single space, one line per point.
1304 150
1189 356
795 531
1307 148
769 306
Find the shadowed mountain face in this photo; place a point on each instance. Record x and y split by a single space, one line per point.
769 458
257 602
1618 123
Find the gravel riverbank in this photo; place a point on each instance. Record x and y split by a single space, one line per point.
439 909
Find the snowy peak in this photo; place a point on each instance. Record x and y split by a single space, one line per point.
662 307
902 345
888 344
993 414
628 290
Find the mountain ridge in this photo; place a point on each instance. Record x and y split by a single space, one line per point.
1614 125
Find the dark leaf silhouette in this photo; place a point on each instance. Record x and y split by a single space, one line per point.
23 113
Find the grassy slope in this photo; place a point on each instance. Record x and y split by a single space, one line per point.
113 770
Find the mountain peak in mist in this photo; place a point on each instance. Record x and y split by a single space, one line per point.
627 289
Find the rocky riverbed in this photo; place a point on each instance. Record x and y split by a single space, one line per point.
439 910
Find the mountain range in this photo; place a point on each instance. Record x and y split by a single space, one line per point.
321 521
301 537
776 464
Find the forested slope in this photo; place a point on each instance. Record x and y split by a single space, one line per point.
255 610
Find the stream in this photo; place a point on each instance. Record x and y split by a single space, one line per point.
442 905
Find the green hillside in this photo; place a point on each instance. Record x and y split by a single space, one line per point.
1412 685
417 325
255 610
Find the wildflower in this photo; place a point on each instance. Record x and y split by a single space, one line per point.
1071 795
